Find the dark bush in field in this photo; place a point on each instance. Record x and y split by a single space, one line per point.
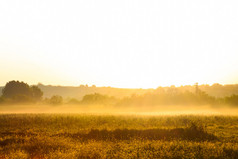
56 100
97 98
193 133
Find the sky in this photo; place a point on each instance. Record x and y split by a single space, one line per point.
125 43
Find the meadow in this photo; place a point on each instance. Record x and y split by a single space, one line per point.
88 135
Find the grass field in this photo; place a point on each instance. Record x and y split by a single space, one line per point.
118 136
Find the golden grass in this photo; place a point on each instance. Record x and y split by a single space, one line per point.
118 136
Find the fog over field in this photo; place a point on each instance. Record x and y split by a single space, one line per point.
122 110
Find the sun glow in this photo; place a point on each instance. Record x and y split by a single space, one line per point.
130 44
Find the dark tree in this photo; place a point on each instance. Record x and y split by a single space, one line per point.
232 100
36 93
16 88
21 92
97 98
56 100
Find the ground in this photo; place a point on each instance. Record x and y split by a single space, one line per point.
118 136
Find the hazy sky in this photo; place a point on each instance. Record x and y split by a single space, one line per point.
123 43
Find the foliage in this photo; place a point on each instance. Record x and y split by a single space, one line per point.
215 90
15 91
36 93
14 88
20 92
160 96
171 96
56 100
98 99
232 100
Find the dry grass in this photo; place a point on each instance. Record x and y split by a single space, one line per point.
117 136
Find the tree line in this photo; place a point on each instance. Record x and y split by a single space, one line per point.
20 92
161 96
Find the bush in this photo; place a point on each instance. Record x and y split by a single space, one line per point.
98 99
56 100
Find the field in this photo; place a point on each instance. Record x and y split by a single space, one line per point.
118 136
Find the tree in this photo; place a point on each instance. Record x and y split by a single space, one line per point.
232 100
14 88
21 92
97 98
36 93
56 100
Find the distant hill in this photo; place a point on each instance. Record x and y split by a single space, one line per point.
79 92
216 90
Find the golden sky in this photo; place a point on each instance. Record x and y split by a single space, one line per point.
125 43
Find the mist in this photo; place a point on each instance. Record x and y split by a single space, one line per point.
122 110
